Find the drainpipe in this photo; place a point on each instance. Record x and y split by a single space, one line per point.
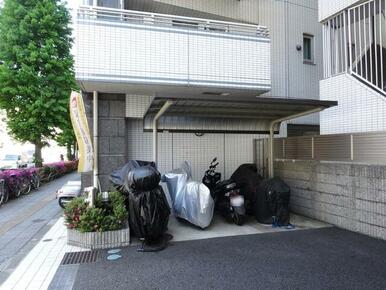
271 135
162 111
95 139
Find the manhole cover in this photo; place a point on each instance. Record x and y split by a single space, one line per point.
113 251
79 257
47 240
38 220
113 257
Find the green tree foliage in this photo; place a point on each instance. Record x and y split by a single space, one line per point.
66 138
36 70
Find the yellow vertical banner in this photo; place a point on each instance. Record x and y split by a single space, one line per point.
82 132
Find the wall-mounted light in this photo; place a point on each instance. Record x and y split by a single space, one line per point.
298 47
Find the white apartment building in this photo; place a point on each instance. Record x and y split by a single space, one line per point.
354 45
130 54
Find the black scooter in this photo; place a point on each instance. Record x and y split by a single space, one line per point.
226 194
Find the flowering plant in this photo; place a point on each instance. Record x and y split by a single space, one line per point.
80 217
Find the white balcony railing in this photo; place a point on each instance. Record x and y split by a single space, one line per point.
165 20
139 47
355 43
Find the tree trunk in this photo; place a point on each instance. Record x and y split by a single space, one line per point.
38 154
69 151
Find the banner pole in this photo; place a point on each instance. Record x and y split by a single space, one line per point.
95 137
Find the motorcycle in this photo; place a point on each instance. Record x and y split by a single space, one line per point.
211 177
228 198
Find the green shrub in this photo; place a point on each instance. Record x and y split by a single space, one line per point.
97 219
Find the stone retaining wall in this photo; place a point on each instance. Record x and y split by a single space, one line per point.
350 196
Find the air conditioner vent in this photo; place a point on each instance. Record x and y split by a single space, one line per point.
216 93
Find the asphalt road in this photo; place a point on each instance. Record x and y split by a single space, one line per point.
24 221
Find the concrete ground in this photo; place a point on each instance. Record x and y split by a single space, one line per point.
314 255
183 231
325 258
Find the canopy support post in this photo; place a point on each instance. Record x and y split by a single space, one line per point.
95 137
271 152
162 111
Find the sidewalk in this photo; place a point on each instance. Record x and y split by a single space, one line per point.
24 222
40 265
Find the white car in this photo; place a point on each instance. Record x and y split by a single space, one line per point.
12 161
67 192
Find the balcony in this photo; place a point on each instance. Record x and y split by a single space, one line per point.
120 49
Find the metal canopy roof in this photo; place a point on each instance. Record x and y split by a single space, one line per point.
228 114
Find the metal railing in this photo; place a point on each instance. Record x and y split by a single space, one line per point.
171 21
366 148
354 43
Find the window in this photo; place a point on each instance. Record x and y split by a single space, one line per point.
308 48
110 4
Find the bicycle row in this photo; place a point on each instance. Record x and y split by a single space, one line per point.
17 182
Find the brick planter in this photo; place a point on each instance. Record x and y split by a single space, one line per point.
99 240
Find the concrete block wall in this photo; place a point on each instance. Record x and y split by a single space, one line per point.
112 135
350 196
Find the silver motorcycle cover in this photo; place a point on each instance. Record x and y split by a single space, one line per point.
191 200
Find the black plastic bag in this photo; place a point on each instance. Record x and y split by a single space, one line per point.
272 200
143 178
148 214
119 177
248 179
279 200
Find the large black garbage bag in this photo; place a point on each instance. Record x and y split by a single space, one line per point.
272 200
148 214
248 179
119 177
143 178
279 200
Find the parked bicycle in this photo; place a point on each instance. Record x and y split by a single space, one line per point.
25 182
35 179
17 182
3 192
14 184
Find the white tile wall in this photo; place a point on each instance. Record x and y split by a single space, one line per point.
137 106
150 54
231 150
360 109
328 8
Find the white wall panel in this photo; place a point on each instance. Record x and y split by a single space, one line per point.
231 150
199 151
139 53
287 21
238 150
328 8
360 108
140 145
245 10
